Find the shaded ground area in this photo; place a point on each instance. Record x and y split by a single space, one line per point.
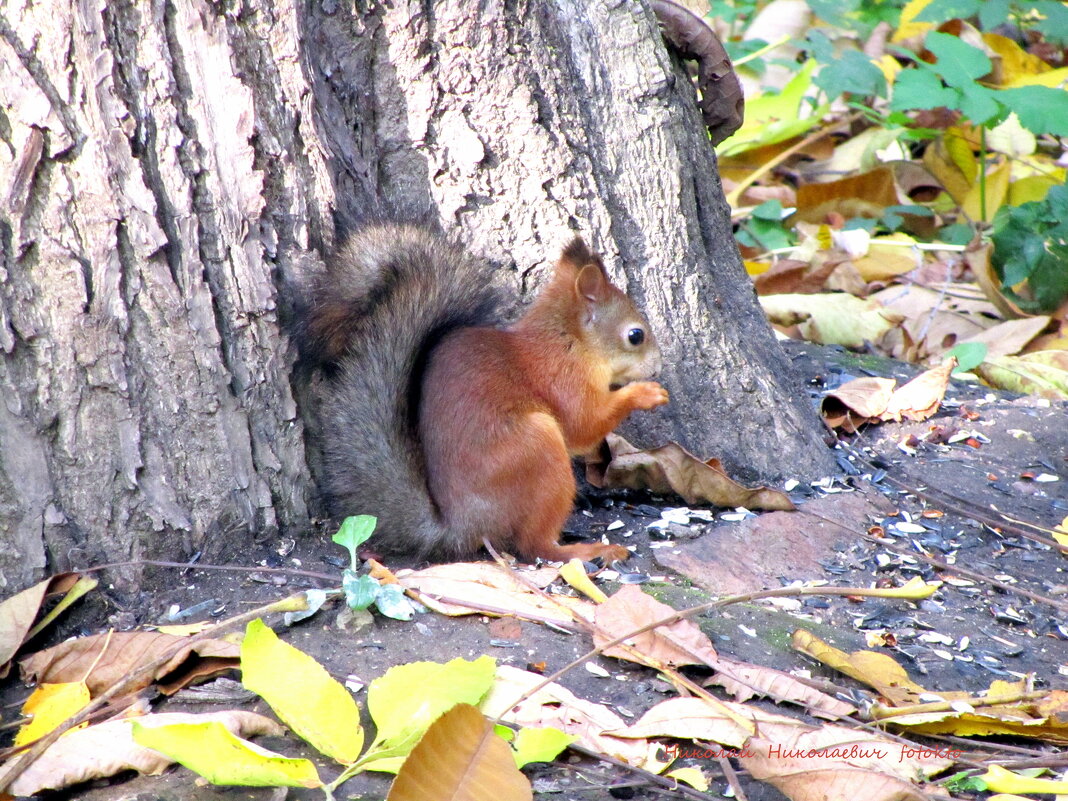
937 486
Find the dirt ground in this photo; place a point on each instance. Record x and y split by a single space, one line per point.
985 452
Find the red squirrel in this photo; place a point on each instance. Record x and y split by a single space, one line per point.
449 429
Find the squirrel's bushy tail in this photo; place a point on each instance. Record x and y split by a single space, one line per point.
388 295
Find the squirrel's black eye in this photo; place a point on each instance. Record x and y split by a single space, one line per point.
635 336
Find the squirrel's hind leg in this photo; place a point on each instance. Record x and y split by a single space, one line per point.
547 496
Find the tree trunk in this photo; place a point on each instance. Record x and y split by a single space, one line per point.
171 170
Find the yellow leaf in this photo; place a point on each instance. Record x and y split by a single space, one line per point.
889 67
999 779
50 705
875 670
185 630
575 574
961 152
694 777
1034 188
756 267
1054 79
300 691
221 757
1016 63
1060 533
887 256
906 28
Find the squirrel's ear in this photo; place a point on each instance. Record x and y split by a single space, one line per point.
591 282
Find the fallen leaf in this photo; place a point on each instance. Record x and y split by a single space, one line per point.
856 402
679 643
48 706
18 612
575 574
778 735
920 398
1044 718
300 691
876 670
978 258
832 319
491 589
108 748
103 659
1043 373
461 758
671 469
556 706
1001 780
744 681
1009 337
211 750
802 775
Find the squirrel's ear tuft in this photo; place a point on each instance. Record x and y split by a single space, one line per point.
578 255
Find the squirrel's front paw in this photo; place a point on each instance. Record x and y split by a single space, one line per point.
648 395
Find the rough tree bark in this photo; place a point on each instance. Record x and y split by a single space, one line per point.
170 169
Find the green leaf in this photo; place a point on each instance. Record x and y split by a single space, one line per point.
1054 22
360 591
959 63
210 750
354 532
392 602
851 72
406 699
300 691
539 745
921 89
993 13
939 11
980 105
1041 110
969 356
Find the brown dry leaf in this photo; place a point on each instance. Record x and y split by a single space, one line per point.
864 195
695 719
671 469
461 758
488 586
920 398
816 778
978 258
678 643
937 318
744 681
108 748
876 670
794 276
857 402
18 612
1011 336
553 705
113 656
